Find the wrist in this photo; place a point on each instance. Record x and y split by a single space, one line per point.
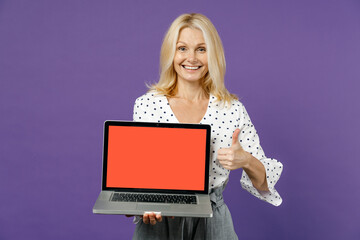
248 161
256 172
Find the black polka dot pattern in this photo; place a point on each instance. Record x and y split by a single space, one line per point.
224 119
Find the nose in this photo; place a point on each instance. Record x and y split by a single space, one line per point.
192 56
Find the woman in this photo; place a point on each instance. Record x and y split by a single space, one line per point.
191 90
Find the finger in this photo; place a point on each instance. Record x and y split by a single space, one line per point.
146 219
152 219
229 156
235 136
222 157
159 217
224 151
226 164
223 162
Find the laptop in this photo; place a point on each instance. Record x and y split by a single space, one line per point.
155 167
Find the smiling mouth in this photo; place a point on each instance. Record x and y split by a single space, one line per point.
191 68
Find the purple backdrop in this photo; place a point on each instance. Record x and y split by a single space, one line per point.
66 66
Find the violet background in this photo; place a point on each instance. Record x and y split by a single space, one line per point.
66 66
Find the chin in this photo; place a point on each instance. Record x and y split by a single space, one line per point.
193 79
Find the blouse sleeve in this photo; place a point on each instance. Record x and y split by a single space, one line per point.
250 142
139 113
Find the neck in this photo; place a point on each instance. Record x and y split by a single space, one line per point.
191 91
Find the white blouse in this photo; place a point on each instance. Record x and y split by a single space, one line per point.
154 107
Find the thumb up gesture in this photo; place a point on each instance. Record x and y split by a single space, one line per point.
234 157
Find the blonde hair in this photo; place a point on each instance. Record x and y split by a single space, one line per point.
214 79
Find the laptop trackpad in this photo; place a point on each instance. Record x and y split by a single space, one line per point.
152 208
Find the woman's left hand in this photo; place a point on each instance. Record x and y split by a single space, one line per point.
234 157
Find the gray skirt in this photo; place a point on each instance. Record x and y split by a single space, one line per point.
220 226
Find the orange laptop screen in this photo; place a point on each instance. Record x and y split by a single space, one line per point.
156 158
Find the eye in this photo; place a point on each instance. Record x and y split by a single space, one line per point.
181 49
202 49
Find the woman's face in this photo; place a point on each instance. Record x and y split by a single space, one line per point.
190 61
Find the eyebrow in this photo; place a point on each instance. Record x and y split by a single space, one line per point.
186 43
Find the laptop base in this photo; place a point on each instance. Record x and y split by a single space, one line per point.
103 205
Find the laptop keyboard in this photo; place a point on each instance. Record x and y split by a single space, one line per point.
156 198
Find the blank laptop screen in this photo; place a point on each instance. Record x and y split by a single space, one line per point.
156 158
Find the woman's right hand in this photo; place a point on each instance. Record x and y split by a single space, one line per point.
151 218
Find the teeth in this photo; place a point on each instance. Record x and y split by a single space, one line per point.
192 68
